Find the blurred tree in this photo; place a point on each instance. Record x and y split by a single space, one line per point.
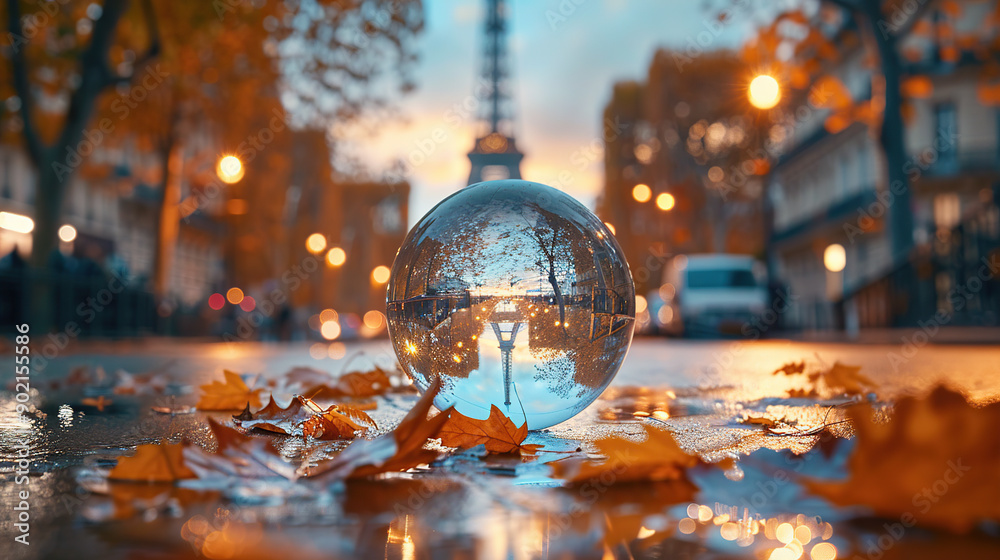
800 46
204 68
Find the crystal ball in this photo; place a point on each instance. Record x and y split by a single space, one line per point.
514 295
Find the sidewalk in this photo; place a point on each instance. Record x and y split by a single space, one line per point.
944 335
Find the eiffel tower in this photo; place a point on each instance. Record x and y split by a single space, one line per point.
495 154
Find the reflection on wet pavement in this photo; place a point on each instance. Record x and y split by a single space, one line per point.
468 504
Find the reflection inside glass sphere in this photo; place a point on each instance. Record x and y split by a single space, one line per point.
515 295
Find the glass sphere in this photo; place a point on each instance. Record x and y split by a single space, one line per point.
514 295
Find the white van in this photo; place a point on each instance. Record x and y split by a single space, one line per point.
710 294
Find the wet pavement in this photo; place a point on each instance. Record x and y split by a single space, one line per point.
468 505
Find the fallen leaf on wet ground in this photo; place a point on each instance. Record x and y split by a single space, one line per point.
838 379
658 457
497 432
303 417
161 462
934 462
230 394
399 450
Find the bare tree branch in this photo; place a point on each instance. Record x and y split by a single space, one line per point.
152 51
22 84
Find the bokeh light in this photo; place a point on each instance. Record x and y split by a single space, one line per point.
330 330
380 274
234 295
315 243
642 192
229 169
216 301
248 304
835 257
764 92
374 320
67 233
336 256
665 201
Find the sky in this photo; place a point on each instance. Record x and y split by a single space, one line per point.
565 55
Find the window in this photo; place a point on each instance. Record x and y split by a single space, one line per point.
946 136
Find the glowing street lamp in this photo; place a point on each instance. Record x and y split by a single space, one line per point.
336 257
665 202
764 92
229 169
835 257
315 243
642 192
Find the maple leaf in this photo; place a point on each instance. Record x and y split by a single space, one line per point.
791 368
844 378
498 433
398 450
657 458
936 462
356 384
229 395
237 455
306 418
154 462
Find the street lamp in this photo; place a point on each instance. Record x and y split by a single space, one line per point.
336 257
665 202
315 243
835 257
641 192
764 92
229 169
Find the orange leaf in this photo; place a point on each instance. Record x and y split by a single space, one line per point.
232 394
497 432
155 462
399 450
657 458
936 462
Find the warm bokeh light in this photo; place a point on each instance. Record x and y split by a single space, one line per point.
380 274
665 201
67 233
610 227
764 92
374 320
835 257
640 304
216 301
229 169
823 551
328 315
234 295
330 330
16 222
336 351
248 304
336 256
315 243
642 192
